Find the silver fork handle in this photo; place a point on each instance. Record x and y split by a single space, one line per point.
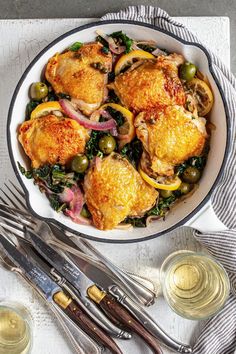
140 292
143 317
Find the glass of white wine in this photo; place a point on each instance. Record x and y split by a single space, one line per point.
15 329
194 285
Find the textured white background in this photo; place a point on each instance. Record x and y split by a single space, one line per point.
20 41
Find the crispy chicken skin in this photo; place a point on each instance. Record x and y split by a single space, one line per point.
72 73
50 139
169 136
115 190
152 84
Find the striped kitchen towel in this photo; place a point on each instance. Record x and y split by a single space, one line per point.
219 334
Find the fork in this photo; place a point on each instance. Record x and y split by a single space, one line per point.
76 336
139 292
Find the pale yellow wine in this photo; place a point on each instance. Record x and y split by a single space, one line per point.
14 333
196 286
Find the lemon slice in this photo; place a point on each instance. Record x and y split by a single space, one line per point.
45 108
202 95
128 59
126 131
169 185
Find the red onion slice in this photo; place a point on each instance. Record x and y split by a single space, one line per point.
75 206
84 121
114 48
96 115
67 195
158 52
78 219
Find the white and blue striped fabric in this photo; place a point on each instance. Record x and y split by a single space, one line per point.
219 334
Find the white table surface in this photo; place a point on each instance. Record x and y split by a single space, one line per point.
20 41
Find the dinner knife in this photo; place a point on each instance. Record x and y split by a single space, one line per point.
52 292
72 274
87 287
79 341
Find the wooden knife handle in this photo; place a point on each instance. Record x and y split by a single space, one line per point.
80 318
109 304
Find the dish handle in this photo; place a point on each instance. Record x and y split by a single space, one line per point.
206 220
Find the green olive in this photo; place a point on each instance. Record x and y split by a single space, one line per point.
191 175
185 188
85 212
165 193
107 144
187 71
38 90
80 163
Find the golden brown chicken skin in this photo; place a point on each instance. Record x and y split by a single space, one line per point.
152 84
169 136
51 140
115 190
72 73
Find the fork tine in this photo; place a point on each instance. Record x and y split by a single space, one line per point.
16 211
4 220
11 229
19 235
16 197
9 198
16 217
6 235
4 201
17 189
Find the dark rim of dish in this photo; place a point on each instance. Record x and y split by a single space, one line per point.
94 24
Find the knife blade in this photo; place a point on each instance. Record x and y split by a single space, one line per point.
77 279
83 283
53 293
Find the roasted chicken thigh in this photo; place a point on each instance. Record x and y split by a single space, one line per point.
82 75
51 139
115 190
152 84
170 136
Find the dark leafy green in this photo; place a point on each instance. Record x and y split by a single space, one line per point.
159 210
162 207
112 97
52 96
92 148
111 77
105 50
56 203
138 222
147 48
102 41
30 107
197 161
27 174
76 46
52 177
52 180
118 116
133 151
123 40
62 95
